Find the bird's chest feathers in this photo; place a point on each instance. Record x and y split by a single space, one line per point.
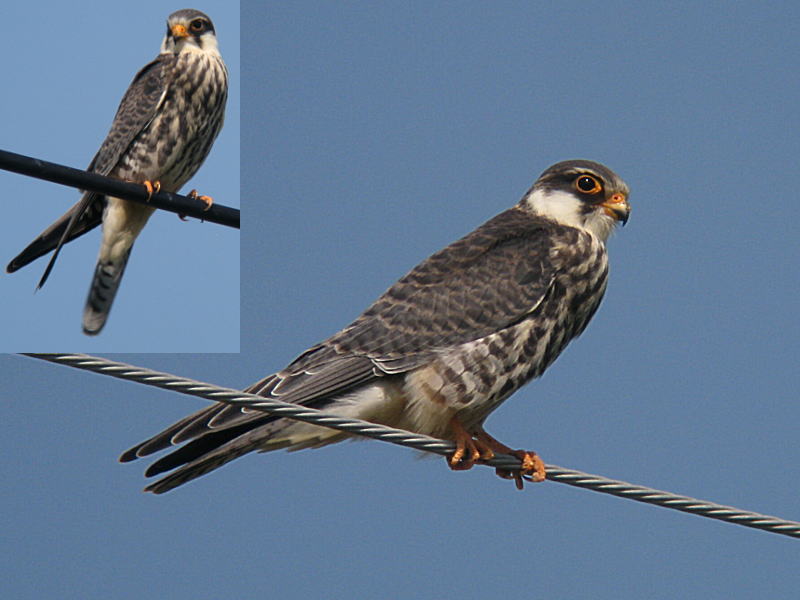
191 94
188 119
475 377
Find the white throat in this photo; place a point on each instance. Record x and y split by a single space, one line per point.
566 209
209 45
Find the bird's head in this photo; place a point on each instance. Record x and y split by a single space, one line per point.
580 193
189 30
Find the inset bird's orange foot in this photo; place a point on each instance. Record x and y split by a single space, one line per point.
153 187
207 199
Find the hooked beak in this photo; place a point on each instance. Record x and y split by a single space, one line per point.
179 31
617 206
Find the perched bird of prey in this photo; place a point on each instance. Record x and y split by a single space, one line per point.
445 345
162 132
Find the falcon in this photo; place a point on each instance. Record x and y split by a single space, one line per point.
444 346
165 125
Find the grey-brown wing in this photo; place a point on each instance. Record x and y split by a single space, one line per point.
136 110
479 285
488 280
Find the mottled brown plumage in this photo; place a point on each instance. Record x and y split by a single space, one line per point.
452 339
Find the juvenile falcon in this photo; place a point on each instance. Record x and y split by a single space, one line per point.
162 132
442 347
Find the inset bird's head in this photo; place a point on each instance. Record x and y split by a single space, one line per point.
189 30
582 194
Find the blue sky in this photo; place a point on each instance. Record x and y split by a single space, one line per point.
372 136
181 287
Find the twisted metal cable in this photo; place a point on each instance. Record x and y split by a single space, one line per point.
571 477
135 192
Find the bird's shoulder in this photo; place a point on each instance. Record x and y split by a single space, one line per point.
513 237
150 82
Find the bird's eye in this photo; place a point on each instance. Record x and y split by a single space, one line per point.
588 184
196 25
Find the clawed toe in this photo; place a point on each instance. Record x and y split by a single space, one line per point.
152 187
208 200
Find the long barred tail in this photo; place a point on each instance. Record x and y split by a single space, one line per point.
107 277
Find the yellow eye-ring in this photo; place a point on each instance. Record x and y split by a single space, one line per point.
587 184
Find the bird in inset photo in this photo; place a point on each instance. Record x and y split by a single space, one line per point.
444 346
163 130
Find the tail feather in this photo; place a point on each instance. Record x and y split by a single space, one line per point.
209 448
107 277
190 472
84 216
166 438
213 450
207 461
211 419
211 442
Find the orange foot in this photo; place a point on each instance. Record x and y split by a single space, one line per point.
482 447
153 187
207 199
532 467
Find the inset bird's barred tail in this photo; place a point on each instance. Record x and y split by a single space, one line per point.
105 283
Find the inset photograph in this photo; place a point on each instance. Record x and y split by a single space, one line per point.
120 175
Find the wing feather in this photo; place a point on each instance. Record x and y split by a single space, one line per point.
136 111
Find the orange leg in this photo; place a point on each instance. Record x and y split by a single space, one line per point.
468 449
207 199
153 187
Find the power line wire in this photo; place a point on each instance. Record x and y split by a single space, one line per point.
135 192
571 477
